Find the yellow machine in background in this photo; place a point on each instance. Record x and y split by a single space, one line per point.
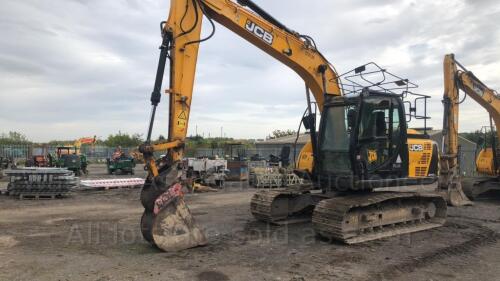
457 78
90 140
81 141
485 162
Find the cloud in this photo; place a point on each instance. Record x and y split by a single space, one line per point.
74 68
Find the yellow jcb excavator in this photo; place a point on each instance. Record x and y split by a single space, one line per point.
456 78
362 143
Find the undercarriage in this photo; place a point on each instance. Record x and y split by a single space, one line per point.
477 186
352 218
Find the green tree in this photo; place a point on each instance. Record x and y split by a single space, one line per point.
279 134
124 140
13 138
480 137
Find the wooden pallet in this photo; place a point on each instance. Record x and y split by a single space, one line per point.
37 196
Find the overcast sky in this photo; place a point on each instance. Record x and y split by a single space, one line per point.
74 68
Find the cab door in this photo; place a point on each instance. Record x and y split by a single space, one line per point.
381 137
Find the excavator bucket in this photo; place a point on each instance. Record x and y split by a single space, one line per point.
167 222
450 185
171 226
455 196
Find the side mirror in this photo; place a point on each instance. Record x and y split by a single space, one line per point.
351 118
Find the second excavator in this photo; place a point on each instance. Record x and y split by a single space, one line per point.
362 143
458 78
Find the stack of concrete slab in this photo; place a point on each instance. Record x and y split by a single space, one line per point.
37 183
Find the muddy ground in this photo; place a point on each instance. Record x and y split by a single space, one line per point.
95 236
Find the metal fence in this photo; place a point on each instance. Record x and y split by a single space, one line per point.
247 152
15 151
93 153
468 163
103 152
100 153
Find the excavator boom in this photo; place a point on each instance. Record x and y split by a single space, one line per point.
183 29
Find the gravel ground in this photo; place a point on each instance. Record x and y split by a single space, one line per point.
94 235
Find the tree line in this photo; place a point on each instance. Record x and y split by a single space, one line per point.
113 140
133 140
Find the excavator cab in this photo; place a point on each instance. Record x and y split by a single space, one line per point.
363 136
362 140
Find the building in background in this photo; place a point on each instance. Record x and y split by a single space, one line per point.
274 146
468 150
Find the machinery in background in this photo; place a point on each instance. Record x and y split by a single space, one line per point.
256 158
208 172
71 157
4 164
39 157
283 160
457 78
238 170
50 175
120 162
487 154
39 161
81 141
237 164
362 142
123 164
68 157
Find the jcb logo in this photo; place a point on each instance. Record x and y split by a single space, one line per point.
372 156
478 89
259 32
416 147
